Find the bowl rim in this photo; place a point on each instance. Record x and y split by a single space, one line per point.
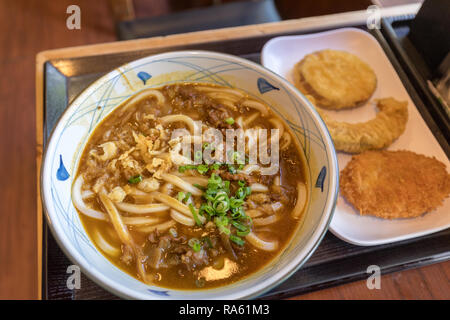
312 242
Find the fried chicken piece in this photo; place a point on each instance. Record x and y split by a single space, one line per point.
377 133
394 184
336 79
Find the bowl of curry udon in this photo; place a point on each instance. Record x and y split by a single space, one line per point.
189 174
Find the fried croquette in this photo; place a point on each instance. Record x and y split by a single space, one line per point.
394 184
336 79
377 133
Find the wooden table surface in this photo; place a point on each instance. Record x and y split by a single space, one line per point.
30 26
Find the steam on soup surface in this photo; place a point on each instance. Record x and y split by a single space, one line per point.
188 222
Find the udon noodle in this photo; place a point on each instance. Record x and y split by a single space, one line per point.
167 208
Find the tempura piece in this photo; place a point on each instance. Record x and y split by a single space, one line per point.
336 79
378 133
394 184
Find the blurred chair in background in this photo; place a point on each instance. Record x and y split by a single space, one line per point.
219 14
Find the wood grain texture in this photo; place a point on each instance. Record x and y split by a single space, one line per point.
33 26
430 282
122 9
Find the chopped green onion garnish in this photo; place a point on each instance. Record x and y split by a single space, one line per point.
202 168
241 193
238 213
199 186
221 206
207 208
234 203
221 223
214 180
181 196
239 226
226 186
195 244
135 179
182 169
243 233
194 213
229 120
237 240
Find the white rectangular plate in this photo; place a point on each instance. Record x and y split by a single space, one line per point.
282 53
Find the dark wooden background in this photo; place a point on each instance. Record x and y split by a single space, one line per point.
30 26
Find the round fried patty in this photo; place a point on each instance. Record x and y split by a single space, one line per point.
336 79
394 184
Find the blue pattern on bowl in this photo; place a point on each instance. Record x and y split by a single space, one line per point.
321 178
159 292
61 173
264 86
144 76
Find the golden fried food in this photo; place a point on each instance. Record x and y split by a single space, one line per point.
336 79
394 184
377 133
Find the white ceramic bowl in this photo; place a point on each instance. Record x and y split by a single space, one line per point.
93 104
